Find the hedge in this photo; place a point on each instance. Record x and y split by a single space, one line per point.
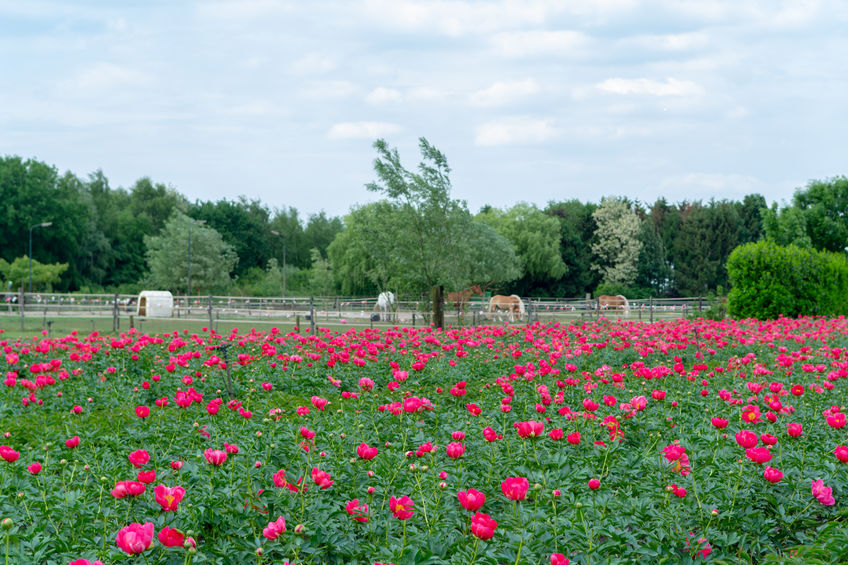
769 280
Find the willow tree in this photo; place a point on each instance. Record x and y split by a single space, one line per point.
417 236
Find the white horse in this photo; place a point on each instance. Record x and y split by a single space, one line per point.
386 304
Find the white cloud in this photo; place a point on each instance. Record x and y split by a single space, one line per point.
382 95
235 10
109 75
561 43
315 63
254 109
502 93
427 94
457 18
515 131
669 41
671 87
329 90
362 130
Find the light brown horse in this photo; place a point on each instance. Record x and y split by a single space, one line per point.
617 302
460 299
511 304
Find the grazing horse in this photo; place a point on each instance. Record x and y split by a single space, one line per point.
460 299
511 304
618 302
385 304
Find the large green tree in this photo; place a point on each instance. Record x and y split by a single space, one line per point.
243 224
212 259
707 236
617 243
535 236
417 236
32 193
577 232
653 271
825 206
44 276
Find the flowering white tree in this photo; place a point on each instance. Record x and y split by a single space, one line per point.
617 242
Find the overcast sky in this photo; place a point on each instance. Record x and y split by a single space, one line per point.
530 100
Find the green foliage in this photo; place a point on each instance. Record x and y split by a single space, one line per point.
771 280
707 235
629 292
535 237
786 227
321 275
617 243
33 192
825 205
212 259
653 272
44 276
817 218
418 237
577 232
750 217
243 224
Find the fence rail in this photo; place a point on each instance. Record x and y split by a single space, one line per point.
338 309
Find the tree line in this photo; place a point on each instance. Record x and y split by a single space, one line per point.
105 239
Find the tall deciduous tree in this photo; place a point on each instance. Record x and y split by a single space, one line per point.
617 242
418 236
44 276
577 232
535 236
32 192
708 234
653 272
825 206
243 224
212 259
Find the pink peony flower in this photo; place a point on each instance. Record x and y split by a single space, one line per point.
135 538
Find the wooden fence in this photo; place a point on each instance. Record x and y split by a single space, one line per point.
331 309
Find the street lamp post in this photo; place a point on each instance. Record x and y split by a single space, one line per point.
200 223
41 225
284 259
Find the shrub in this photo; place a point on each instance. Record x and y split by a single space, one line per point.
770 280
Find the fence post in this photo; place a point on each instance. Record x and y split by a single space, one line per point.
115 313
651 307
21 305
438 299
132 321
700 304
413 318
312 315
209 308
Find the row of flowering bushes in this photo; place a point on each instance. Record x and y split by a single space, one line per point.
599 442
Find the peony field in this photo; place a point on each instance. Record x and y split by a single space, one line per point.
602 441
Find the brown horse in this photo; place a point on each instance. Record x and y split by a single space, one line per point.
511 304
460 299
618 302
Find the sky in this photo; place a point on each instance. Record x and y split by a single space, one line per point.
530 101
